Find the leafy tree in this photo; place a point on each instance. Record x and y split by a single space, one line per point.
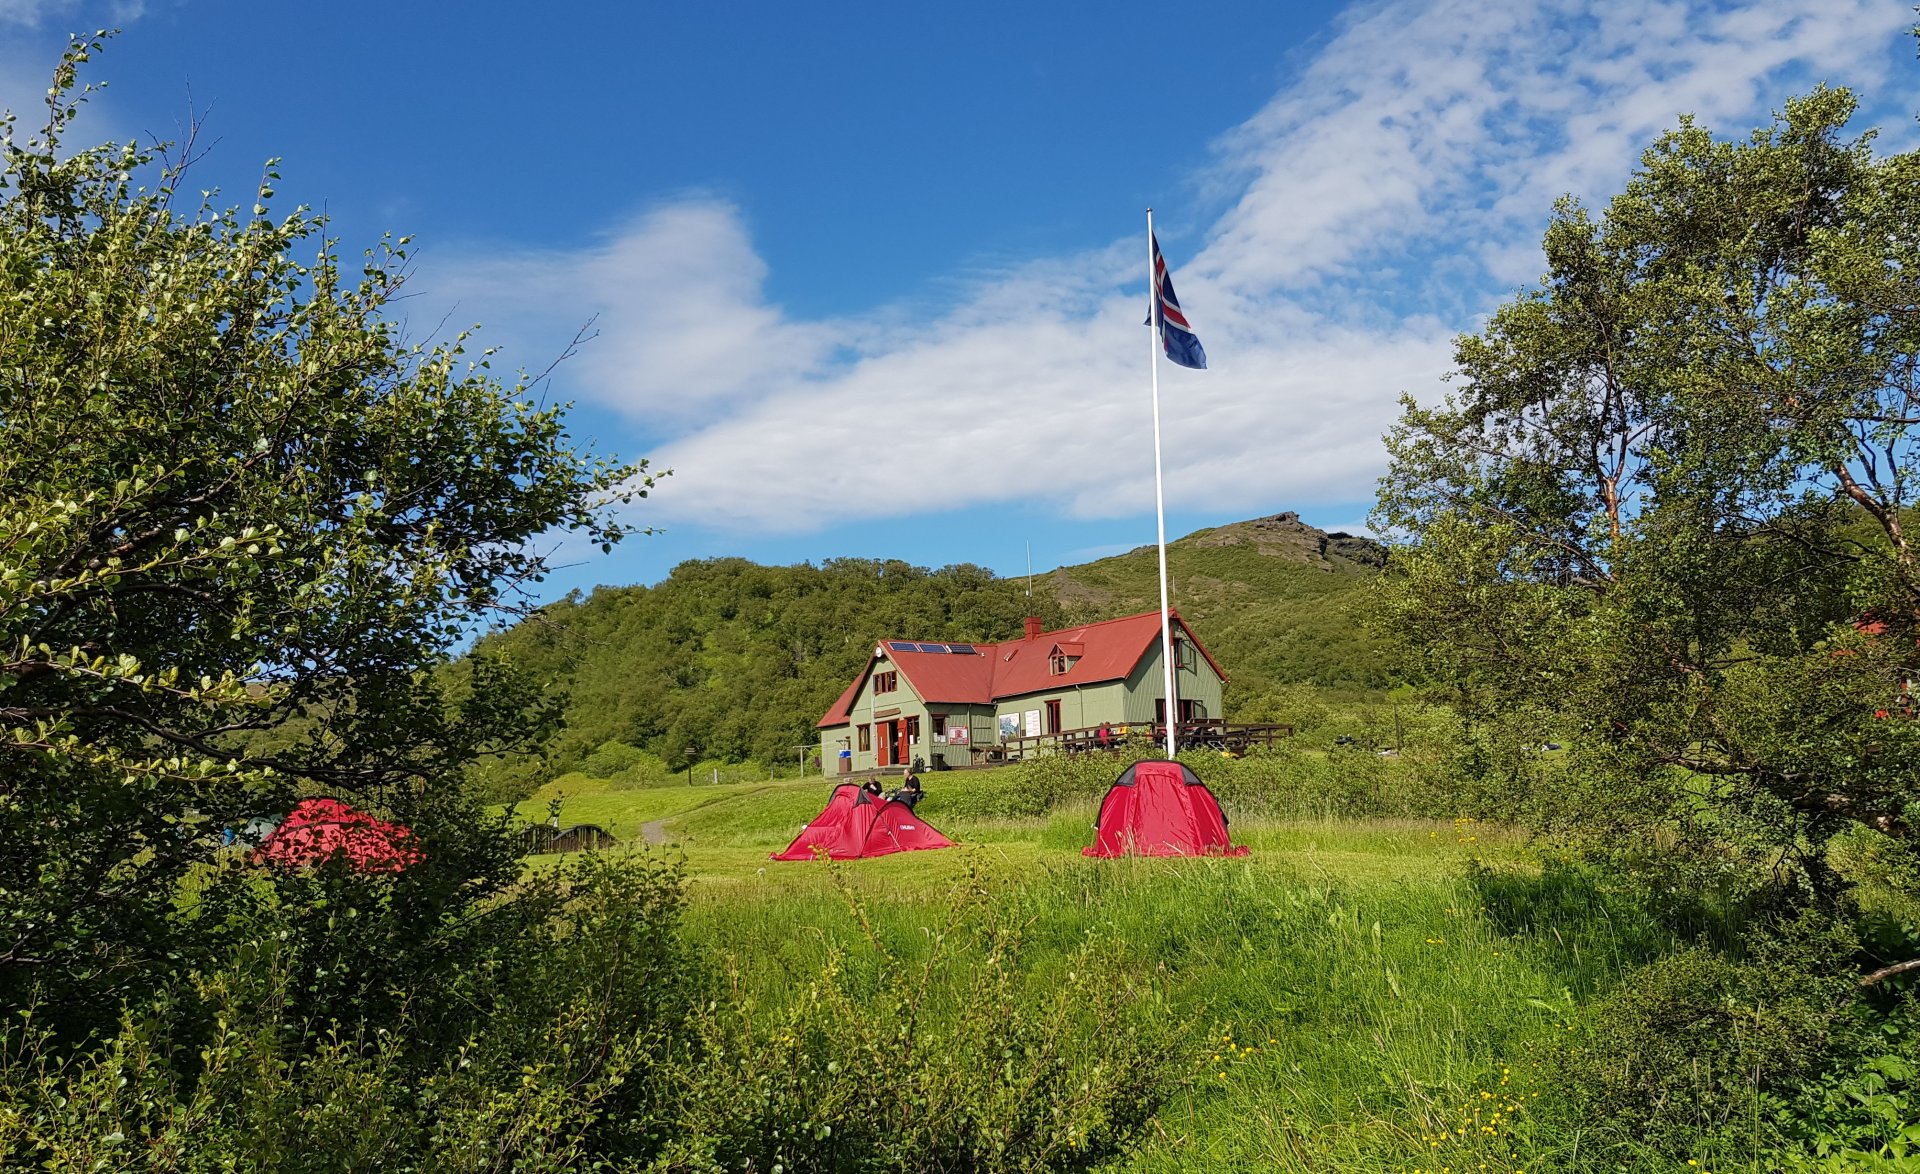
240 516
1667 512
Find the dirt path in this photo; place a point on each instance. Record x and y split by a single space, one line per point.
654 831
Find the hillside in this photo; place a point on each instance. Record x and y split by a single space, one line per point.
1272 598
738 660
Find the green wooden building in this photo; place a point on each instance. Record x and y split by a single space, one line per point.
955 703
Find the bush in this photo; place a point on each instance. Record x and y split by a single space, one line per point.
1285 781
1864 1115
1694 1042
522 1032
612 758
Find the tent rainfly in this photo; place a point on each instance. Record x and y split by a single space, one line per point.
1160 808
317 829
855 825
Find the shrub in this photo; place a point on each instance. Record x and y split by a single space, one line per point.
612 758
1859 1115
354 1024
1690 1044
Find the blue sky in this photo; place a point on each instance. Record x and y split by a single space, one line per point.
869 277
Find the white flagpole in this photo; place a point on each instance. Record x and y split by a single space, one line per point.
1159 492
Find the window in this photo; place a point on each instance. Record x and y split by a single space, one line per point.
1060 662
1190 711
866 737
1183 654
913 729
886 682
1053 717
939 723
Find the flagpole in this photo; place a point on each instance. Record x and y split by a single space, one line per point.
1159 491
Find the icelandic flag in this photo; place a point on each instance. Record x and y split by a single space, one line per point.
1176 334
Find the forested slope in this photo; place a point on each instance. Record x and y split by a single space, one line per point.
739 660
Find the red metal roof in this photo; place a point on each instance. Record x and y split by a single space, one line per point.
1109 651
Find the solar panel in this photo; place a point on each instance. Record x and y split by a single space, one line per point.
902 646
939 648
964 649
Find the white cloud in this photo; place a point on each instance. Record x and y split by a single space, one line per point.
35 13
1387 196
676 297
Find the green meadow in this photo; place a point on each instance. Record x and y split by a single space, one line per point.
1356 994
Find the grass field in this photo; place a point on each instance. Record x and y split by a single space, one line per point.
1345 997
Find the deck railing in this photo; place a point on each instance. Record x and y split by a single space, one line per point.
1201 733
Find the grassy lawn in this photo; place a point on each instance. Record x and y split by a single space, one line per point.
1345 1000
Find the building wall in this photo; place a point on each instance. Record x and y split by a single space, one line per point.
1080 707
865 705
978 719
1147 685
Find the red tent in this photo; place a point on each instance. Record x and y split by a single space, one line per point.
316 829
1161 809
855 824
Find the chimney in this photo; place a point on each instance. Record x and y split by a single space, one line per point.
1033 627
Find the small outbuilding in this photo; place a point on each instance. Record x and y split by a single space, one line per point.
541 839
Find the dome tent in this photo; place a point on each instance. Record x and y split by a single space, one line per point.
317 829
1160 808
856 825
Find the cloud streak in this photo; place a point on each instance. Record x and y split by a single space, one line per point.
1393 191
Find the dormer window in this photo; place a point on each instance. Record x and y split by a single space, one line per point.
1064 656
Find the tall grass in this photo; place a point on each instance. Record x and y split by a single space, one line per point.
1346 997
1386 983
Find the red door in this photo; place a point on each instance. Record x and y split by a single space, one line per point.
902 745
